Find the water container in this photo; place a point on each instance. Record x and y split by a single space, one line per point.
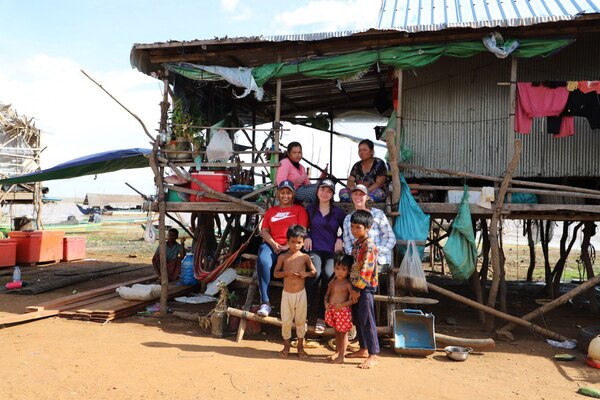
187 271
17 274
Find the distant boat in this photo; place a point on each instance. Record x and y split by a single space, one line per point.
46 199
82 227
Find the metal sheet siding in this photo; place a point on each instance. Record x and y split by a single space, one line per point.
435 15
455 116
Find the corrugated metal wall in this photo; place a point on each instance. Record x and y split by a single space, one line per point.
455 116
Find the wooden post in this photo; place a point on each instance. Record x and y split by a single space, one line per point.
494 244
164 105
277 123
392 141
249 298
589 230
162 246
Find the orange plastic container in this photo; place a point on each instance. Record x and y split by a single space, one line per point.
8 253
73 248
216 180
38 246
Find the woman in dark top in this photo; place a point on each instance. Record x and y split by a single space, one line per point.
369 171
323 241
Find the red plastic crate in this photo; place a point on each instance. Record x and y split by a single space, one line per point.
38 246
216 180
73 248
8 253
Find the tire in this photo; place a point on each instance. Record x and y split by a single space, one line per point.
585 336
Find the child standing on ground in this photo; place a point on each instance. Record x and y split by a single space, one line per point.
337 304
294 267
363 278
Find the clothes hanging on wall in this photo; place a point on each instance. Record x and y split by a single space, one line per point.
584 105
589 86
542 101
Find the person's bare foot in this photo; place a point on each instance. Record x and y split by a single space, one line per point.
333 356
339 360
371 361
362 353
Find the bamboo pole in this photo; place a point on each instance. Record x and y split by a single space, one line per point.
494 244
556 302
491 311
479 344
496 179
119 103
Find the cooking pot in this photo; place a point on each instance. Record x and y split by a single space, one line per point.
457 353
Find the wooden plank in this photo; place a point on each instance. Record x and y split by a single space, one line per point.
212 207
62 301
27 317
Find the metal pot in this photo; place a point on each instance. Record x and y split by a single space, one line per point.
457 353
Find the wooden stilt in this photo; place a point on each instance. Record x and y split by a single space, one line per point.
247 304
495 246
544 229
589 230
564 253
531 245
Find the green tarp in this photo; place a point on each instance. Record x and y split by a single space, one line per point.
402 57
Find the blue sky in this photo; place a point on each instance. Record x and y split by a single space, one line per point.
44 44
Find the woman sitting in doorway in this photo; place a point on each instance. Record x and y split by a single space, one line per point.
291 169
370 171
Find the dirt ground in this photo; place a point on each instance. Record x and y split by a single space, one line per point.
147 357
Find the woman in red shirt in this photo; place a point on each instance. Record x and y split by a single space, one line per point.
275 223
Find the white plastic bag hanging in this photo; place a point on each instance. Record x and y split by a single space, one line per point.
411 276
220 147
149 234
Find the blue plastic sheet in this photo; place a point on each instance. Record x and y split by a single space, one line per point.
413 223
460 249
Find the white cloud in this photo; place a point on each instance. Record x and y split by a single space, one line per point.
77 118
329 16
229 5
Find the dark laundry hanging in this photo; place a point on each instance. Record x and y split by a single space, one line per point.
584 105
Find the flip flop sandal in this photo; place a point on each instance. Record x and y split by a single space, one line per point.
308 344
320 327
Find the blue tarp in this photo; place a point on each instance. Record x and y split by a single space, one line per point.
93 164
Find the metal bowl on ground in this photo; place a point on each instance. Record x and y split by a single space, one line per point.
457 353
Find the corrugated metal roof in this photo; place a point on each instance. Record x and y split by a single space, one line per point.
435 15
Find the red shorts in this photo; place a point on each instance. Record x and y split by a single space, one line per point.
340 320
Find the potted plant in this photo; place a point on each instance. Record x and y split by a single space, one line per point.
184 133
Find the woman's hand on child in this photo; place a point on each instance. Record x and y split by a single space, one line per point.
354 295
339 245
308 244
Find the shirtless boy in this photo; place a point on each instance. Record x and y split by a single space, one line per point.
294 267
337 303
